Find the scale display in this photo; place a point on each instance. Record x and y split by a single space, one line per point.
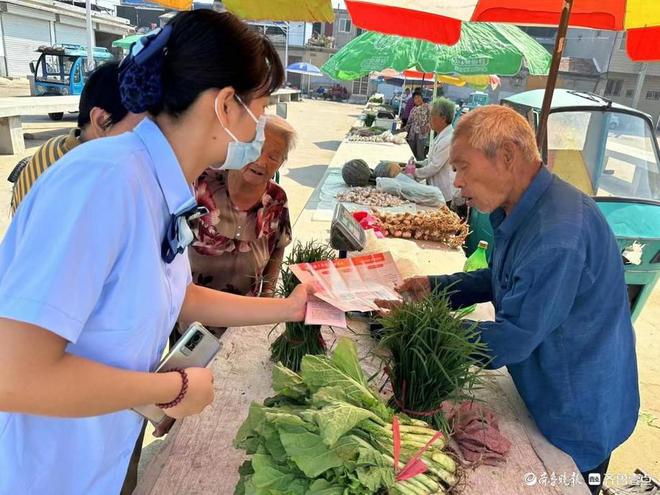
346 234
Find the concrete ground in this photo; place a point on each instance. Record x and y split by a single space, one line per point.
321 127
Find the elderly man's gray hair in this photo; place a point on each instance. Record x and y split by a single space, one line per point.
443 107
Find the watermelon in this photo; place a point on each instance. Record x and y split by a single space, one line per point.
356 173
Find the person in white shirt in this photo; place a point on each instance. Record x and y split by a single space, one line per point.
436 169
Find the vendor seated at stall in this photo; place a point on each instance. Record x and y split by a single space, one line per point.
435 169
101 114
562 317
239 245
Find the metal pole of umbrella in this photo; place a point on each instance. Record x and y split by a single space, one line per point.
560 42
286 52
403 91
435 87
90 35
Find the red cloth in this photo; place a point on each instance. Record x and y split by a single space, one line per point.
368 222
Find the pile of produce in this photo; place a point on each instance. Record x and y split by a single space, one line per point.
357 173
435 357
385 137
441 225
370 196
366 131
387 169
327 433
299 339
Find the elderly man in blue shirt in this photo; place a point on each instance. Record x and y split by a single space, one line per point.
562 318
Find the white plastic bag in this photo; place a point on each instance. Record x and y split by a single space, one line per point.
408 188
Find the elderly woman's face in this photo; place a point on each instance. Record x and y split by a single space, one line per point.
418 100
438 122
272 156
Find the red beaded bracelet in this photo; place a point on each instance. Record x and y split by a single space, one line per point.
182 393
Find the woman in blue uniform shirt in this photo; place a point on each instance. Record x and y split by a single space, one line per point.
93 270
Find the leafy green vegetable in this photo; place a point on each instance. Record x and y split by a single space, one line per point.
337 419
328 433
288 383
324 487
320 371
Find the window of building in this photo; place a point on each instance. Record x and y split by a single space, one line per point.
361 86
630 93
344 25
653 95
614 87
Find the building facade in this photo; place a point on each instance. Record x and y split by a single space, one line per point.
25 25
315 43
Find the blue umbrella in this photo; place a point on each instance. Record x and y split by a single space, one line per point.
306 69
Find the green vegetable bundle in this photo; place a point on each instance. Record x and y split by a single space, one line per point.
326 432
435 357
299 339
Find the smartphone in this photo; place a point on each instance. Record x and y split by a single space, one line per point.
195 349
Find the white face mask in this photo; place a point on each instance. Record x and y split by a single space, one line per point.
239 153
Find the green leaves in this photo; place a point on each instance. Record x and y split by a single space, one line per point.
335 420
435 355
325 433
324 487
273 479
345 359
288 383
343 373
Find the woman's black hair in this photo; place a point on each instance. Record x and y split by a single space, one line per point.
102 90
208 49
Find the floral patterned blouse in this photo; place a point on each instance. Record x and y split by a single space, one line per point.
233 247
419 122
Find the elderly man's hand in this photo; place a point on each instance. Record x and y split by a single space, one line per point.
414 288
411 289
385 305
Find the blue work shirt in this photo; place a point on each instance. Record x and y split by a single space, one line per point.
82 259
562 319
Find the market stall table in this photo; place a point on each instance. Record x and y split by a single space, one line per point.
198 456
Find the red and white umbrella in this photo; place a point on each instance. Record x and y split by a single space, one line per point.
440 20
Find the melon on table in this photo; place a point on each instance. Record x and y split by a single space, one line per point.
387 169
356 173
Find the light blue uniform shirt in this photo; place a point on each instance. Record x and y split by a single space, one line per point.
82 259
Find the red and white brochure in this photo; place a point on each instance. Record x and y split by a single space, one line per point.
348 284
